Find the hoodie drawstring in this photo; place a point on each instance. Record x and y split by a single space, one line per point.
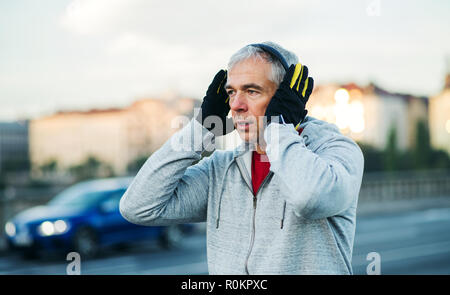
282 215
221 192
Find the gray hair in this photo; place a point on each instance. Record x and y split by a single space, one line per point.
278 70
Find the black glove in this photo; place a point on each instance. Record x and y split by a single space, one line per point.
291 96
215 103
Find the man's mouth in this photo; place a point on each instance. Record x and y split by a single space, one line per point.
243 125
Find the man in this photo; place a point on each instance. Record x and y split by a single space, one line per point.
284 202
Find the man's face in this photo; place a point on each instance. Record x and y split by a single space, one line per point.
250 91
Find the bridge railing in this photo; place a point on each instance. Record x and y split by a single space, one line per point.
405 185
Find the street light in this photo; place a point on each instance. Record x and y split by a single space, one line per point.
341 96
348 115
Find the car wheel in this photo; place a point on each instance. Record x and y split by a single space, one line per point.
122 246
86 243
30 254
172 237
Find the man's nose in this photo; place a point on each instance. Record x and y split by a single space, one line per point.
238 103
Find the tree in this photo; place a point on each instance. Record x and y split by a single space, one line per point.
440 159
420 156
373 158
49 167
91 168
136 164
391 153
422 151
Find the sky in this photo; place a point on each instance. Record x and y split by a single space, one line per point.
81 54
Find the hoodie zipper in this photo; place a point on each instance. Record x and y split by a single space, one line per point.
252 240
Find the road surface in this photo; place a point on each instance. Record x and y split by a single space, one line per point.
416 242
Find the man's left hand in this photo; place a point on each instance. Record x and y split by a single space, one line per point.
291 96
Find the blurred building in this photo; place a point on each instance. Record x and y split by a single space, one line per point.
113 136
369 113
365 113
439 113
13 146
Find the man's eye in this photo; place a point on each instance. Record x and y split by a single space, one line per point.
252 92
230 92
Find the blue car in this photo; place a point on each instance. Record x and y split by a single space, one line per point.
84 218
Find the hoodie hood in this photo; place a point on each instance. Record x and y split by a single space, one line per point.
315 133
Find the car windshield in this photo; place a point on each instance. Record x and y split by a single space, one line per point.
77 197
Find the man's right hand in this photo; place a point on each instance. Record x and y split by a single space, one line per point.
215 107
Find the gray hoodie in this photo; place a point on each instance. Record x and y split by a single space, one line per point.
302 220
